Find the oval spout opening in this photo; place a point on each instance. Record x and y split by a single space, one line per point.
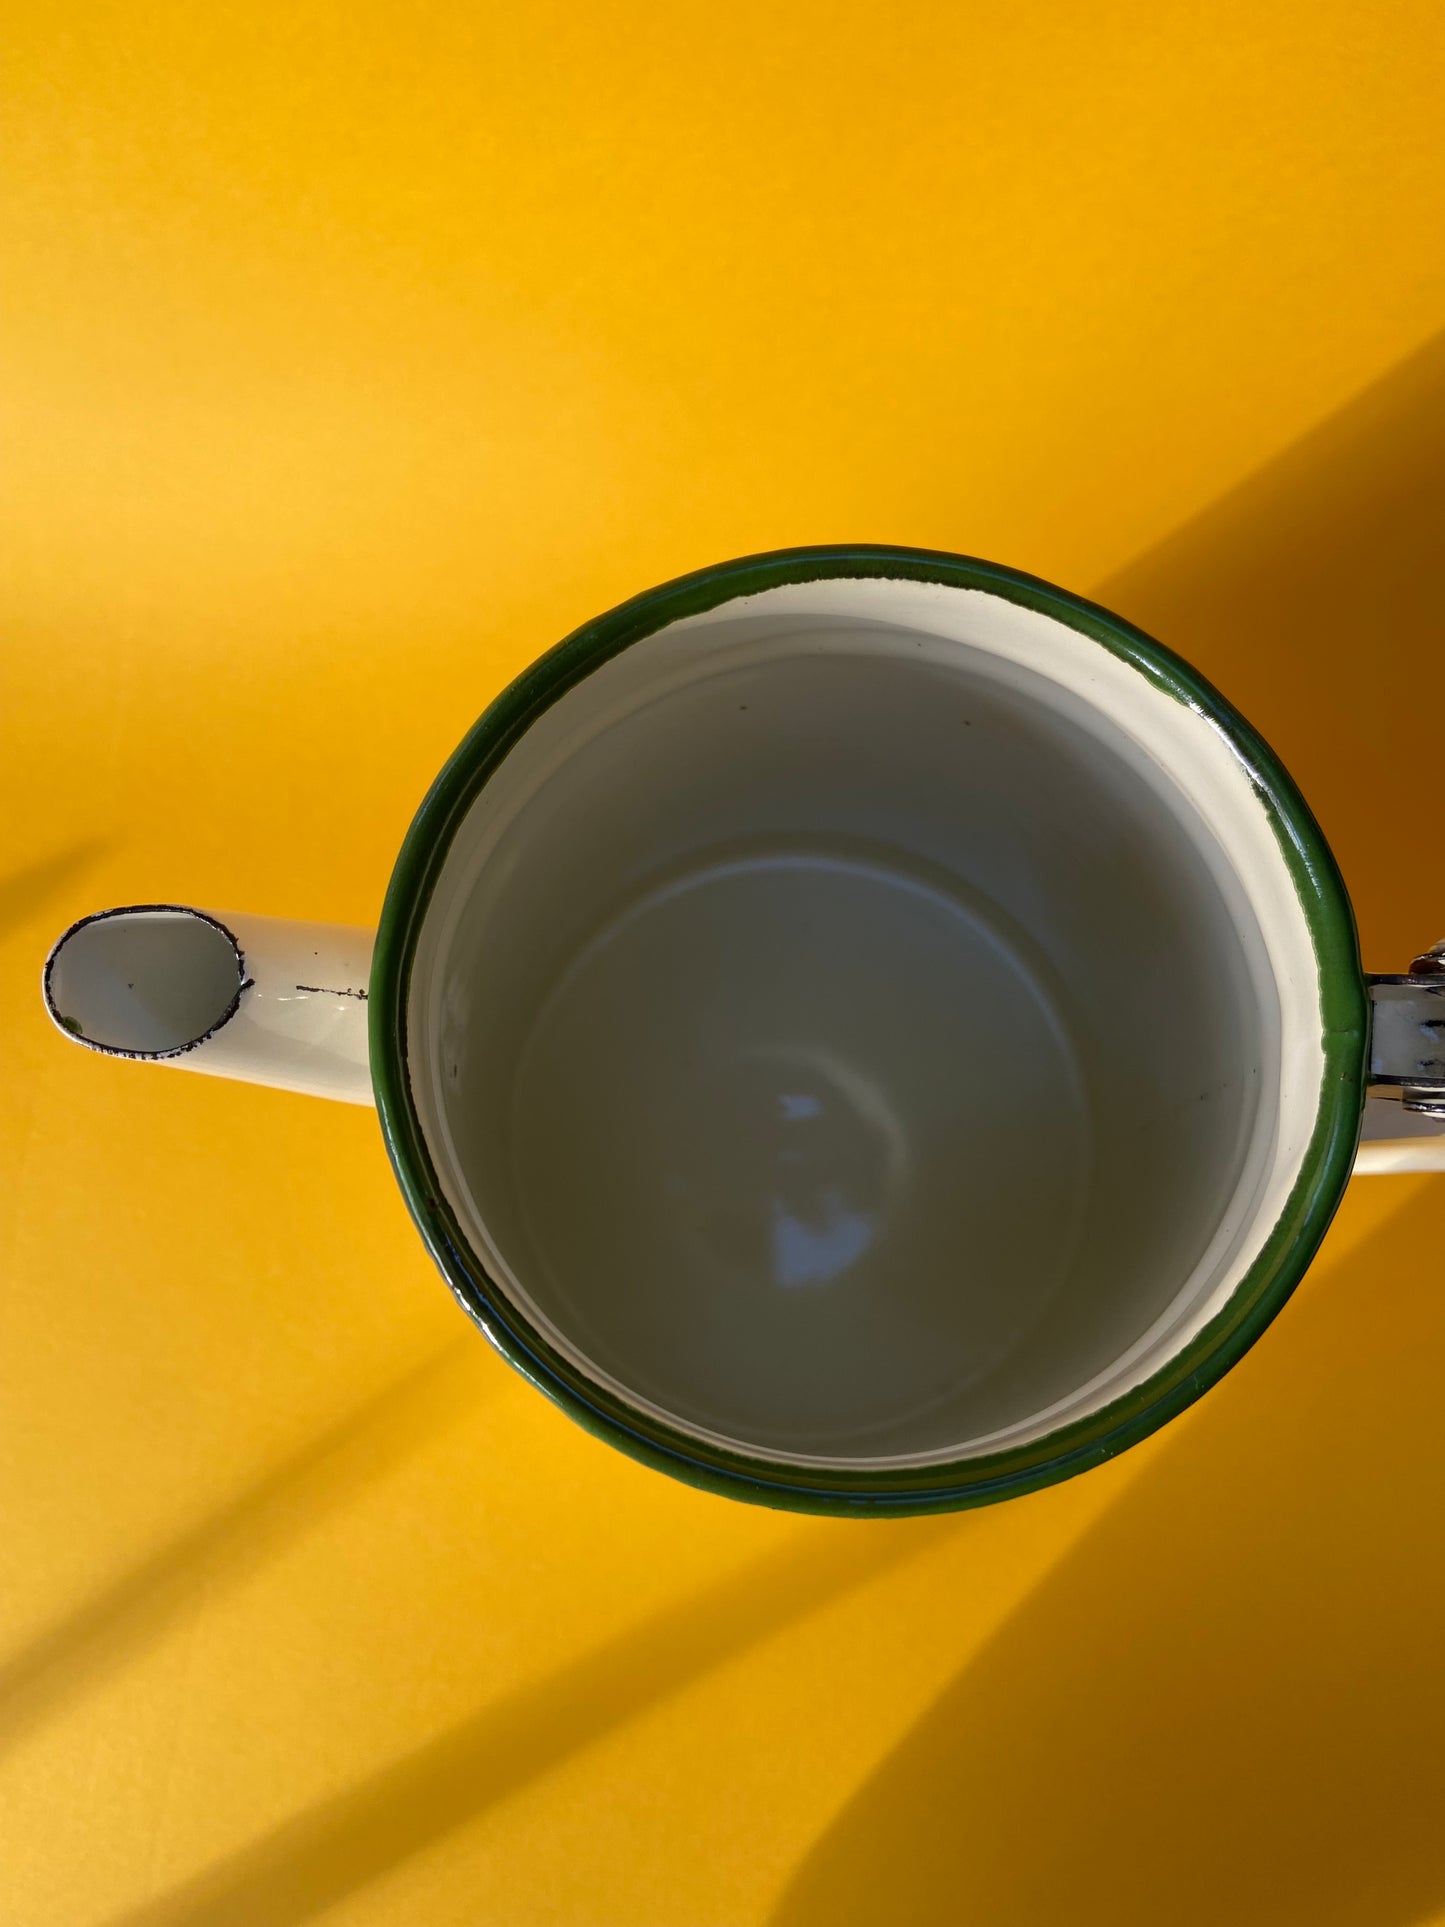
149 981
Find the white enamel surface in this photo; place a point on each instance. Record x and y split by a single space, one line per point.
867 1023
155 981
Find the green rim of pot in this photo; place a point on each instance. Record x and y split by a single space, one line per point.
890 1490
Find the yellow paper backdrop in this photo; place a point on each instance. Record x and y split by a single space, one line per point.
351 356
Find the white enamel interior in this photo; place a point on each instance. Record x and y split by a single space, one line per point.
868 1023
144 981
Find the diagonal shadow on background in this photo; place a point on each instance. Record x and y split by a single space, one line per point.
1228 1703
1314 596
139 1607
316 1859
29 889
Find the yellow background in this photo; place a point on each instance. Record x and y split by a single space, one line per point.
352 355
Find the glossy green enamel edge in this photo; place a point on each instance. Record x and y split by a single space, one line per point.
892 1491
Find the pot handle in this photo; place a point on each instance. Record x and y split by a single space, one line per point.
1404 1127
